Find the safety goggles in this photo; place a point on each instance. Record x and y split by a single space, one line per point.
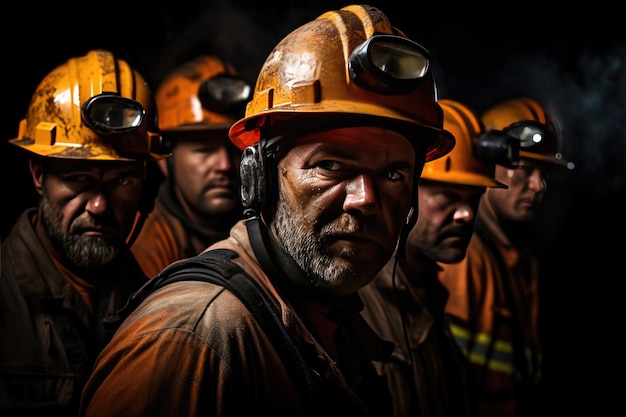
389 64
225 93
110 114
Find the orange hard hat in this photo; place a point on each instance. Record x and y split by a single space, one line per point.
461 165
348 67
93 107
526 120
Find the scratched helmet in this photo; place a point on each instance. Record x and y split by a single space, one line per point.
93 107
463 165
347 67
526 120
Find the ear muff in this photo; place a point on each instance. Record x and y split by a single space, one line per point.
253 179
257 171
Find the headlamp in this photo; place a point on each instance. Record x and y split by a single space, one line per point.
388 64
110 114
497 147
225 93
530 133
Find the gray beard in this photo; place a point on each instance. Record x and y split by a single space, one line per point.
307 249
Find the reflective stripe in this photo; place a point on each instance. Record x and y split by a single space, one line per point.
501 359
502 356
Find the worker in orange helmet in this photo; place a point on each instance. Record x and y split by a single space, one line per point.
90 134
199 200
494 291
405 302
343 117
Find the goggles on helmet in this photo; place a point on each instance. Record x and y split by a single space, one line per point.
110 114
225 93
388 64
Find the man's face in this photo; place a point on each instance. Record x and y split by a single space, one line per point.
344 196
445 222
206 174
88 208
521 201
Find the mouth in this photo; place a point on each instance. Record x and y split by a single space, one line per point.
353 244
105 232
226 189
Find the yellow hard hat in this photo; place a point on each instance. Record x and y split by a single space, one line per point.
205 93
526 120
92 107
348 67
461 165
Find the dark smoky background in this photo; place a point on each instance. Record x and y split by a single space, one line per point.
573 60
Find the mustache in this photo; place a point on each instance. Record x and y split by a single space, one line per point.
464 230
225 182
345 224
85 223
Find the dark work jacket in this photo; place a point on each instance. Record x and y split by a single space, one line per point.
48 337
426 374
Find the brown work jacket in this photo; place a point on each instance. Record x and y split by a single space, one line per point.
49 337
426 373
192 348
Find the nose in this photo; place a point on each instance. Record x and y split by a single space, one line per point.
360 195
97 203
536 182
464 213
225 158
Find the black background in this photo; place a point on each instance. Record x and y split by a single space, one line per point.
572 59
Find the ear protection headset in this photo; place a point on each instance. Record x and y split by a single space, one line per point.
258 176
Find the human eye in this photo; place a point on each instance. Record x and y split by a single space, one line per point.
126 179
78 178
328 165
398 173
394 175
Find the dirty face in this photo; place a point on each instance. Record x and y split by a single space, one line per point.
88 208
445 222
204 170
344 196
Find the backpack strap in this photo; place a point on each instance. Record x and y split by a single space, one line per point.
216 266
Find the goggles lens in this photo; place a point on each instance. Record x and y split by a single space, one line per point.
389 64
529 133
225 94
110 114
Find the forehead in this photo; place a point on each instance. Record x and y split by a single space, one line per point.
529 164
367 140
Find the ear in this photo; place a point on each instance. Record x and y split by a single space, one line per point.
164 165
36 171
